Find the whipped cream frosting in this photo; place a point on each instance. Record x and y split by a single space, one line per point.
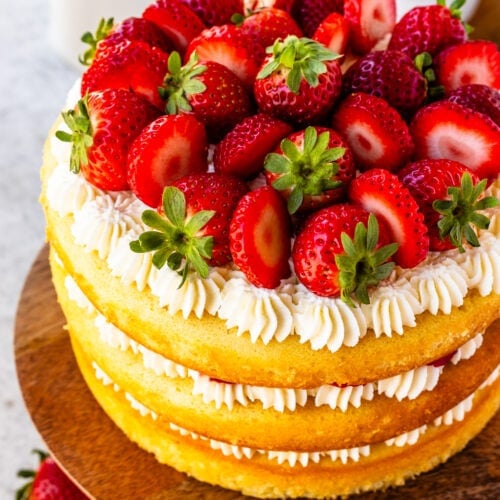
106 223
294 458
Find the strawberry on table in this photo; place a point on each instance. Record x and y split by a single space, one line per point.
369 22
300 81
342 250
170 147
376 133
102 128
176 20
260 237
333 33
450 196
243 150
197 87
429 28
311 168
215 12
480 98
474 61
310 13
449 130
383 194
192 229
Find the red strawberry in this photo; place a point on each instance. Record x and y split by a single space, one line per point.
102 128
196 87
474 61
254 5
449 130
438 363
428 28
131 65
311 168
260 237
170 147
215 12
302 88
429 181
333 33
342 250
266 26
374 130
382 193
176 20
49 482
242 151
479 98
389 74
93 39
310 13
192 226
370 21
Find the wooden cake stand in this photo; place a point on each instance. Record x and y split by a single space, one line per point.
106 465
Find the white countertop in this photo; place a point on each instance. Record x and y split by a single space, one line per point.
33 84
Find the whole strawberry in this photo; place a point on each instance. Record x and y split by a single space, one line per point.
389 74
102 127
170 147
259 239
49 482
429 28
480 98
450 197
311 168
243 150
376 133
342 250
300 81
196 87
192 229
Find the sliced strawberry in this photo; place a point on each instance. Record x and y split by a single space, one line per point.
215 12
449 130
342 250
369 21
480 98
382 193
310 13
333 33
374 130
260 237
130 65
176 20
102 128
227 45
170 147
242 151
474 61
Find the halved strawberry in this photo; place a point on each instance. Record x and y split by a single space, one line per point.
229 46
310 168
333 33
260 237
215 12
310 13
449 130
369 22
177 21
374 130
474 61
342 250
450 202
382 193
242 151
170 147
102 128
480 98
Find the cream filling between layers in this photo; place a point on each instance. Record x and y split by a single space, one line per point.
407 385
107 222
293 458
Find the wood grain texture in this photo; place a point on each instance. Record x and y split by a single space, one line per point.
107 465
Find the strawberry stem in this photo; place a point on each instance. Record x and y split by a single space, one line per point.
460 212
176 240
363 265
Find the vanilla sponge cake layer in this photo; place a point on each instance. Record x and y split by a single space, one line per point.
383 467
209 346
